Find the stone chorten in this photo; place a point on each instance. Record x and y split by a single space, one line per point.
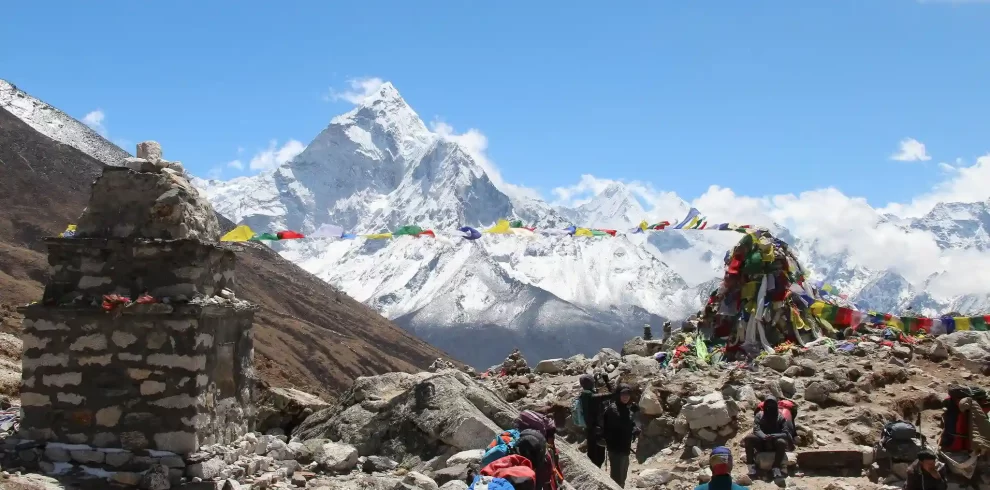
166 364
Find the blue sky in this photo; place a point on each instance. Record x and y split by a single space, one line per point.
765 97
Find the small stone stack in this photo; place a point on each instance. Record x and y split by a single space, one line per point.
515 364
139 353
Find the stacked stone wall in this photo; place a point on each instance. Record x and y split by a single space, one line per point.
83 270
158 377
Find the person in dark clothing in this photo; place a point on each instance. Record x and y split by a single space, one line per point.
620 430
720 463
924 474
592 404
771 432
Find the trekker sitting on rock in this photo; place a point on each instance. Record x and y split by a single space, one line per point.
620 430
720 463
925 473
771 432
593 406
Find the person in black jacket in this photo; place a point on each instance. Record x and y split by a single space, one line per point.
771 432
592 403
620 430
924 474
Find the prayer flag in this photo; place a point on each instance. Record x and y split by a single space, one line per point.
264 236
470 233
378 236
242 233
690 216
427 233
502 227
962 323
407 230
290 235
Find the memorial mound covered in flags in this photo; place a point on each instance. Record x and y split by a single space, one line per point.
766 299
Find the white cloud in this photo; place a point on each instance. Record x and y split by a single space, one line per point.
358 90
840 224
94 119
475 143
274 155
911 150
964 184
236 164
214 173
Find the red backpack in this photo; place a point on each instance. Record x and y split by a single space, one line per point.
515 469
786 408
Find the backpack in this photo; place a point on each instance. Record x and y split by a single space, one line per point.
898 441
490 483
955 432
577 413
786 408
529 419
515 469
501 446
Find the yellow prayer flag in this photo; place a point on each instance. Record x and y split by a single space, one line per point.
817 307
501 227
583 232
749 290
962 323
643 225
242 233
70 228
378 236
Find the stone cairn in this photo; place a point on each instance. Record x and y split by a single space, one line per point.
128 389
515 364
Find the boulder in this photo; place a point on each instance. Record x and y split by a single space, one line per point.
440 414
970 346
454 485
471 456
451 473
378 463
634 368
775 362
420 481
284 408
652 478
606 356
709 411
938 351
336 457
635 346
551 366
650 404
819 391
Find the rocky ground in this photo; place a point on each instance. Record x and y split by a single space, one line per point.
426 430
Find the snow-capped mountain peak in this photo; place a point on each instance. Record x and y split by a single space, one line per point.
58 125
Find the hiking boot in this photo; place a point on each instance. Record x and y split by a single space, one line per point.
778 474
753 471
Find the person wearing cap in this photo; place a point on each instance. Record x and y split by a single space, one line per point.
926 473
620 430
592 404
771 432
720 463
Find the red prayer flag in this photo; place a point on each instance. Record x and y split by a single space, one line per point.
427 233
843 316
289 235
925 324
610 232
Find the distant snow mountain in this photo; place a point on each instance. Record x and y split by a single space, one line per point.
379 167
58 125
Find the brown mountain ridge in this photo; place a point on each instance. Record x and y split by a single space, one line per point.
308 335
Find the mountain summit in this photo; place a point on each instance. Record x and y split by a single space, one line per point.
379 167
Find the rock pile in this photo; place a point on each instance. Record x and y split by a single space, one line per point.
440 364
514 364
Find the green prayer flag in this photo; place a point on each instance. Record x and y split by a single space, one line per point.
598 233
978 323
407 230
265 236
516 224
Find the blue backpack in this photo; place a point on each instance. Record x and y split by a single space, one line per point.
500 447
490 483
577 413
